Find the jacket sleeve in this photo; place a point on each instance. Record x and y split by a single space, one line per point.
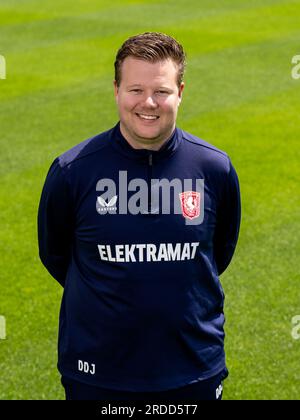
55 223
228 221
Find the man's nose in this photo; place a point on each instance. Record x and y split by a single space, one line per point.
150 101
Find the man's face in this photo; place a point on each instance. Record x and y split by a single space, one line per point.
147 100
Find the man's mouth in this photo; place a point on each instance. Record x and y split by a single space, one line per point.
147 117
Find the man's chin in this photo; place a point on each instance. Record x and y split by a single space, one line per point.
148 136
144 137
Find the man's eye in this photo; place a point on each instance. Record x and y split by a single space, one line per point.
136 90
162 92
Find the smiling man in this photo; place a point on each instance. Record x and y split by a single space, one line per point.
137 224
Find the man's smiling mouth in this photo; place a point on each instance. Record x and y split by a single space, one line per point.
147 117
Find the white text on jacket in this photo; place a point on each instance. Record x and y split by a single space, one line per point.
148 252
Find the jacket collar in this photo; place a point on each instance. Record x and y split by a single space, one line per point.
168 148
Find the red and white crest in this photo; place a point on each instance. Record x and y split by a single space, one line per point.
190 204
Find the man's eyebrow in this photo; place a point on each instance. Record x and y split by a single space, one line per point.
158 87
136 84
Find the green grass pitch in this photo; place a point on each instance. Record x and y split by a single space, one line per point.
239 96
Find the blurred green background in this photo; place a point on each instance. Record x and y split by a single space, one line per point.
239 96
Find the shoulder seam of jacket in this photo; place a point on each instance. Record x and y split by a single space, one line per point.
211 147
65 162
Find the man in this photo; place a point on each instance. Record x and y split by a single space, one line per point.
137 223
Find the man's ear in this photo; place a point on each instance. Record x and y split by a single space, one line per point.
181 87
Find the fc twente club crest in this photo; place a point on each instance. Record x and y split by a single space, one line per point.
190 204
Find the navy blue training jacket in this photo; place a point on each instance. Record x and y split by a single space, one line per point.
142 308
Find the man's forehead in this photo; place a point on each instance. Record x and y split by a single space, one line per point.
133 68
